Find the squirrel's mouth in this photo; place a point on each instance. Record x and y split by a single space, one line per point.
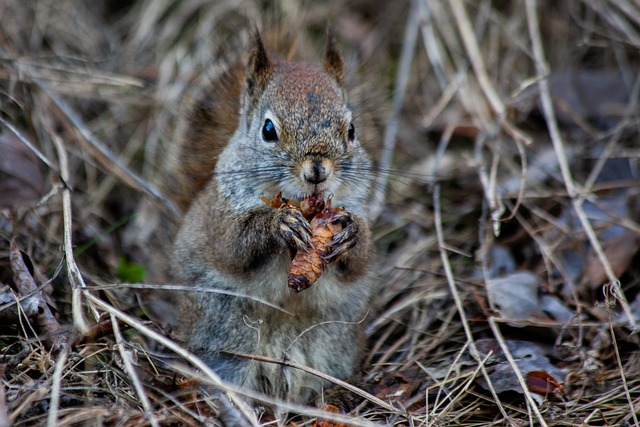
300 197
295 192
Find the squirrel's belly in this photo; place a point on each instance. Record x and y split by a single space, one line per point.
328 299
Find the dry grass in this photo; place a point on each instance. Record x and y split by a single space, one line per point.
470 113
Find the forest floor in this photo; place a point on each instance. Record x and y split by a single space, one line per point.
507 217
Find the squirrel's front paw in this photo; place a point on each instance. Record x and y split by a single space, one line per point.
346 238
292 228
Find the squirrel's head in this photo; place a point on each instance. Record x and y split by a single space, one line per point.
296 126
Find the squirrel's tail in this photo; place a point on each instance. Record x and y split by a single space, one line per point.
210 119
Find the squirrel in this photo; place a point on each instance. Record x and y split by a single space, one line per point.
269 125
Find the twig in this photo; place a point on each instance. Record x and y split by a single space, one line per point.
473 350
322 375
473 50
75 277
104 155
623 377
32 147
480 70
230 416
402 78
187 288
54 405
128 365
619 129
514 367
431 44
558 145
288 406
453 401
4 415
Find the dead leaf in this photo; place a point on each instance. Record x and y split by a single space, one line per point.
619 250
321 422
10 313
574 251
529 357
26 285
397 386
540 382
518 297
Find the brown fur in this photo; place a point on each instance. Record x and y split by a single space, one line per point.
211 121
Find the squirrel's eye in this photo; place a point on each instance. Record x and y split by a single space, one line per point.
269 133
351 132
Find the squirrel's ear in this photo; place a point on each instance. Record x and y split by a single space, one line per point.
260 67
333 63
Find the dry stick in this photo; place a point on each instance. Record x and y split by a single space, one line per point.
473 50
183 288
4 415
576 200
75 277
514 367
453 401
137 385
619 22
31 147
431 45
402 78
324 376
628 9
291 407
52 419
473 350
29 402
489 183
230 416
549 257
480 70
558 145
447 95
103 155
634 411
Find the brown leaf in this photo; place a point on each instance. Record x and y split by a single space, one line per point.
619 250
26 285
104 327
320 422
540 382
398 386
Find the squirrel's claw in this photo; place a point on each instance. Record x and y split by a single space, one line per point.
293 228
340 249
345 239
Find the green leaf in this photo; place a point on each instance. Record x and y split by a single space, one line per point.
130 272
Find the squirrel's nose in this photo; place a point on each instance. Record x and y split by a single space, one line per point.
316 171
